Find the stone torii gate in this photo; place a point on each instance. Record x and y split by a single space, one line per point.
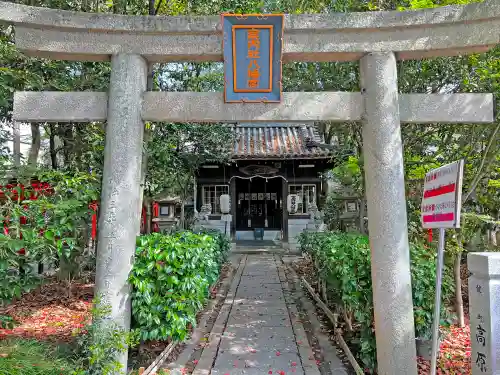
377 39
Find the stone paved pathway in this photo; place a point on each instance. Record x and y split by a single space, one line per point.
258 330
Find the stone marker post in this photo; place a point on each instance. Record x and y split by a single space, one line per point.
119 217
484 309
387 221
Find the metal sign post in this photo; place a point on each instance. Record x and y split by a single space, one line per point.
441 205
437 303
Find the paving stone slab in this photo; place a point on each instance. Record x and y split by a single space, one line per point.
258 293
261 300
276 309
285 333
260 280
254 285
238 302
260 270
260 288
256 371
269 279
258 321
263 275
258 360
264 298
278 313
260 259
265 264
241 345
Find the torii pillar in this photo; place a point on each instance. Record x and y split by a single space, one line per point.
119 219
387 219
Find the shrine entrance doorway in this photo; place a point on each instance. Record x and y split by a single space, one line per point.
259 204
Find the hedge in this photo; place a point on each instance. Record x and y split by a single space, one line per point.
343 261
171 278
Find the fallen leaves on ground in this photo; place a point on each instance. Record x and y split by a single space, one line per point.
50 312
455 349
455 352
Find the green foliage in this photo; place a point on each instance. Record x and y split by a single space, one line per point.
7 322
423 278
177 151
475 226
100 344
30 357
171 279
343 261
350 173
223 243
55 229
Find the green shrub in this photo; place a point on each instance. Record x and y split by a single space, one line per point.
57 222
223 243
423 281
30 357
7 322
100 343
344 260
171 279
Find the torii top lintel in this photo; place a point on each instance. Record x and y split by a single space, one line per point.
444 31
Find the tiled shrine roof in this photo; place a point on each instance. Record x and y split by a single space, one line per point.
277 141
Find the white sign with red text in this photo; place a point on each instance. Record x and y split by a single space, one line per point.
442 199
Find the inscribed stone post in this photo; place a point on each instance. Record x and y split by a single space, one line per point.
119 219
385 191
484 309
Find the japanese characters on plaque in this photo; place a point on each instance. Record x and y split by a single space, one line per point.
252 47
484 309
441 203
479 336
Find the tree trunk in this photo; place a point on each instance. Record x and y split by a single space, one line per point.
458 290
78 145
493 237
362 214
52 146
183 213
148 216
16 139
35 144
66 133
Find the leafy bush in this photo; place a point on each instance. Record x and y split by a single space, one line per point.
30 357
171 279
423 281
223 243
100 344
55 224
344 260
7 321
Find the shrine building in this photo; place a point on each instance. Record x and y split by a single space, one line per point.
268 163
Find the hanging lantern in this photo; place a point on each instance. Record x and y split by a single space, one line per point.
225 204
292 203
